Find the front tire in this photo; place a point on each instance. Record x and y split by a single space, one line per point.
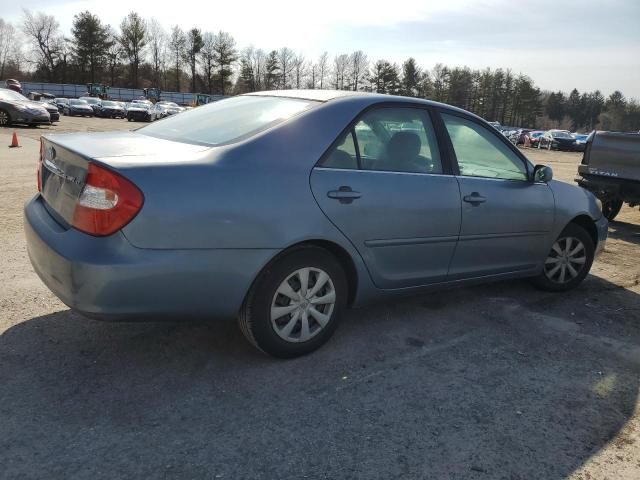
568 262
295 304
5 119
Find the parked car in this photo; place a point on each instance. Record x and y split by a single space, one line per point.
524 132
534 137
60 103
94 102
557 140
16 108
110 109
263 206
54 114
12 84
581 141
168 108
78 107
142 112
610 169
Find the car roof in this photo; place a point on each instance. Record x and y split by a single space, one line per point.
363 98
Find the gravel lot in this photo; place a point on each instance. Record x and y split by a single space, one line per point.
500 381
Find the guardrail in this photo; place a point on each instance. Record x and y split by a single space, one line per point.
66 90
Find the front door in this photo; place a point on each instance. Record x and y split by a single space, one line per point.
383 185
506 218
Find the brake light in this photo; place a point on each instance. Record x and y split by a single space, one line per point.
107 203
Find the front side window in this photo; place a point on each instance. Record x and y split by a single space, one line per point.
480 153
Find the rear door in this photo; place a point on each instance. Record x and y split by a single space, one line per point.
385 186
506 217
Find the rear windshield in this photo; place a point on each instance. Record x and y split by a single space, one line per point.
227 120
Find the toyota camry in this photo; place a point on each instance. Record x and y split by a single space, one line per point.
283 209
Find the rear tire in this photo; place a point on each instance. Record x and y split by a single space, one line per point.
568 261
611 208
299 321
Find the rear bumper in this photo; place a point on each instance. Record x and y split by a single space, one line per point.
109 278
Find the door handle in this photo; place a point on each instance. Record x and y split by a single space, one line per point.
474 199
344 194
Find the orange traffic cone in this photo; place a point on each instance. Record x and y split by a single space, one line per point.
14 141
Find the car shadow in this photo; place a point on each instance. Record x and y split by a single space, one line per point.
498 381
628 232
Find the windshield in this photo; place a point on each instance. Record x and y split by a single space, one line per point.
62 100
560 135
91 100
109 104
227 120
78 102
12 96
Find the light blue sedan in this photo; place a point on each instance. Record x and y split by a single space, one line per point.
285 208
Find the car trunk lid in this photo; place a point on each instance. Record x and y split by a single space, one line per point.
65 162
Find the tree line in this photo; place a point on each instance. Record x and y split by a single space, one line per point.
141 53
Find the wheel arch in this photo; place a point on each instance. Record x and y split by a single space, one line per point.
339 252
586 222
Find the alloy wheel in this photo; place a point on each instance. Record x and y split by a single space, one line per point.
566 260
4 118
303 304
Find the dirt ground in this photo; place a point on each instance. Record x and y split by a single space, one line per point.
495 382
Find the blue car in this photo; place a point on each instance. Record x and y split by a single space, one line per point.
285 208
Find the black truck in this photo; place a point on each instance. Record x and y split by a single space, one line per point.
610 169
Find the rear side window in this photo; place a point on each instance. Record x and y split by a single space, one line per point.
343 154
228 120
480 153
389 139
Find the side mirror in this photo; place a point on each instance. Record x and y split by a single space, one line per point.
542 174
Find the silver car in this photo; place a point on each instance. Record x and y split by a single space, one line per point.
16 108
285 208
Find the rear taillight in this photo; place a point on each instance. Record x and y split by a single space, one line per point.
107 203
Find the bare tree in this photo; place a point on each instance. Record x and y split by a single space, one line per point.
252 69
114 54
177 44
299 70
323 67
285 65
42 30
157 48
7 43
259 60
358 67
208 59
340 65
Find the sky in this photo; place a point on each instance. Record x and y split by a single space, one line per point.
561 44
